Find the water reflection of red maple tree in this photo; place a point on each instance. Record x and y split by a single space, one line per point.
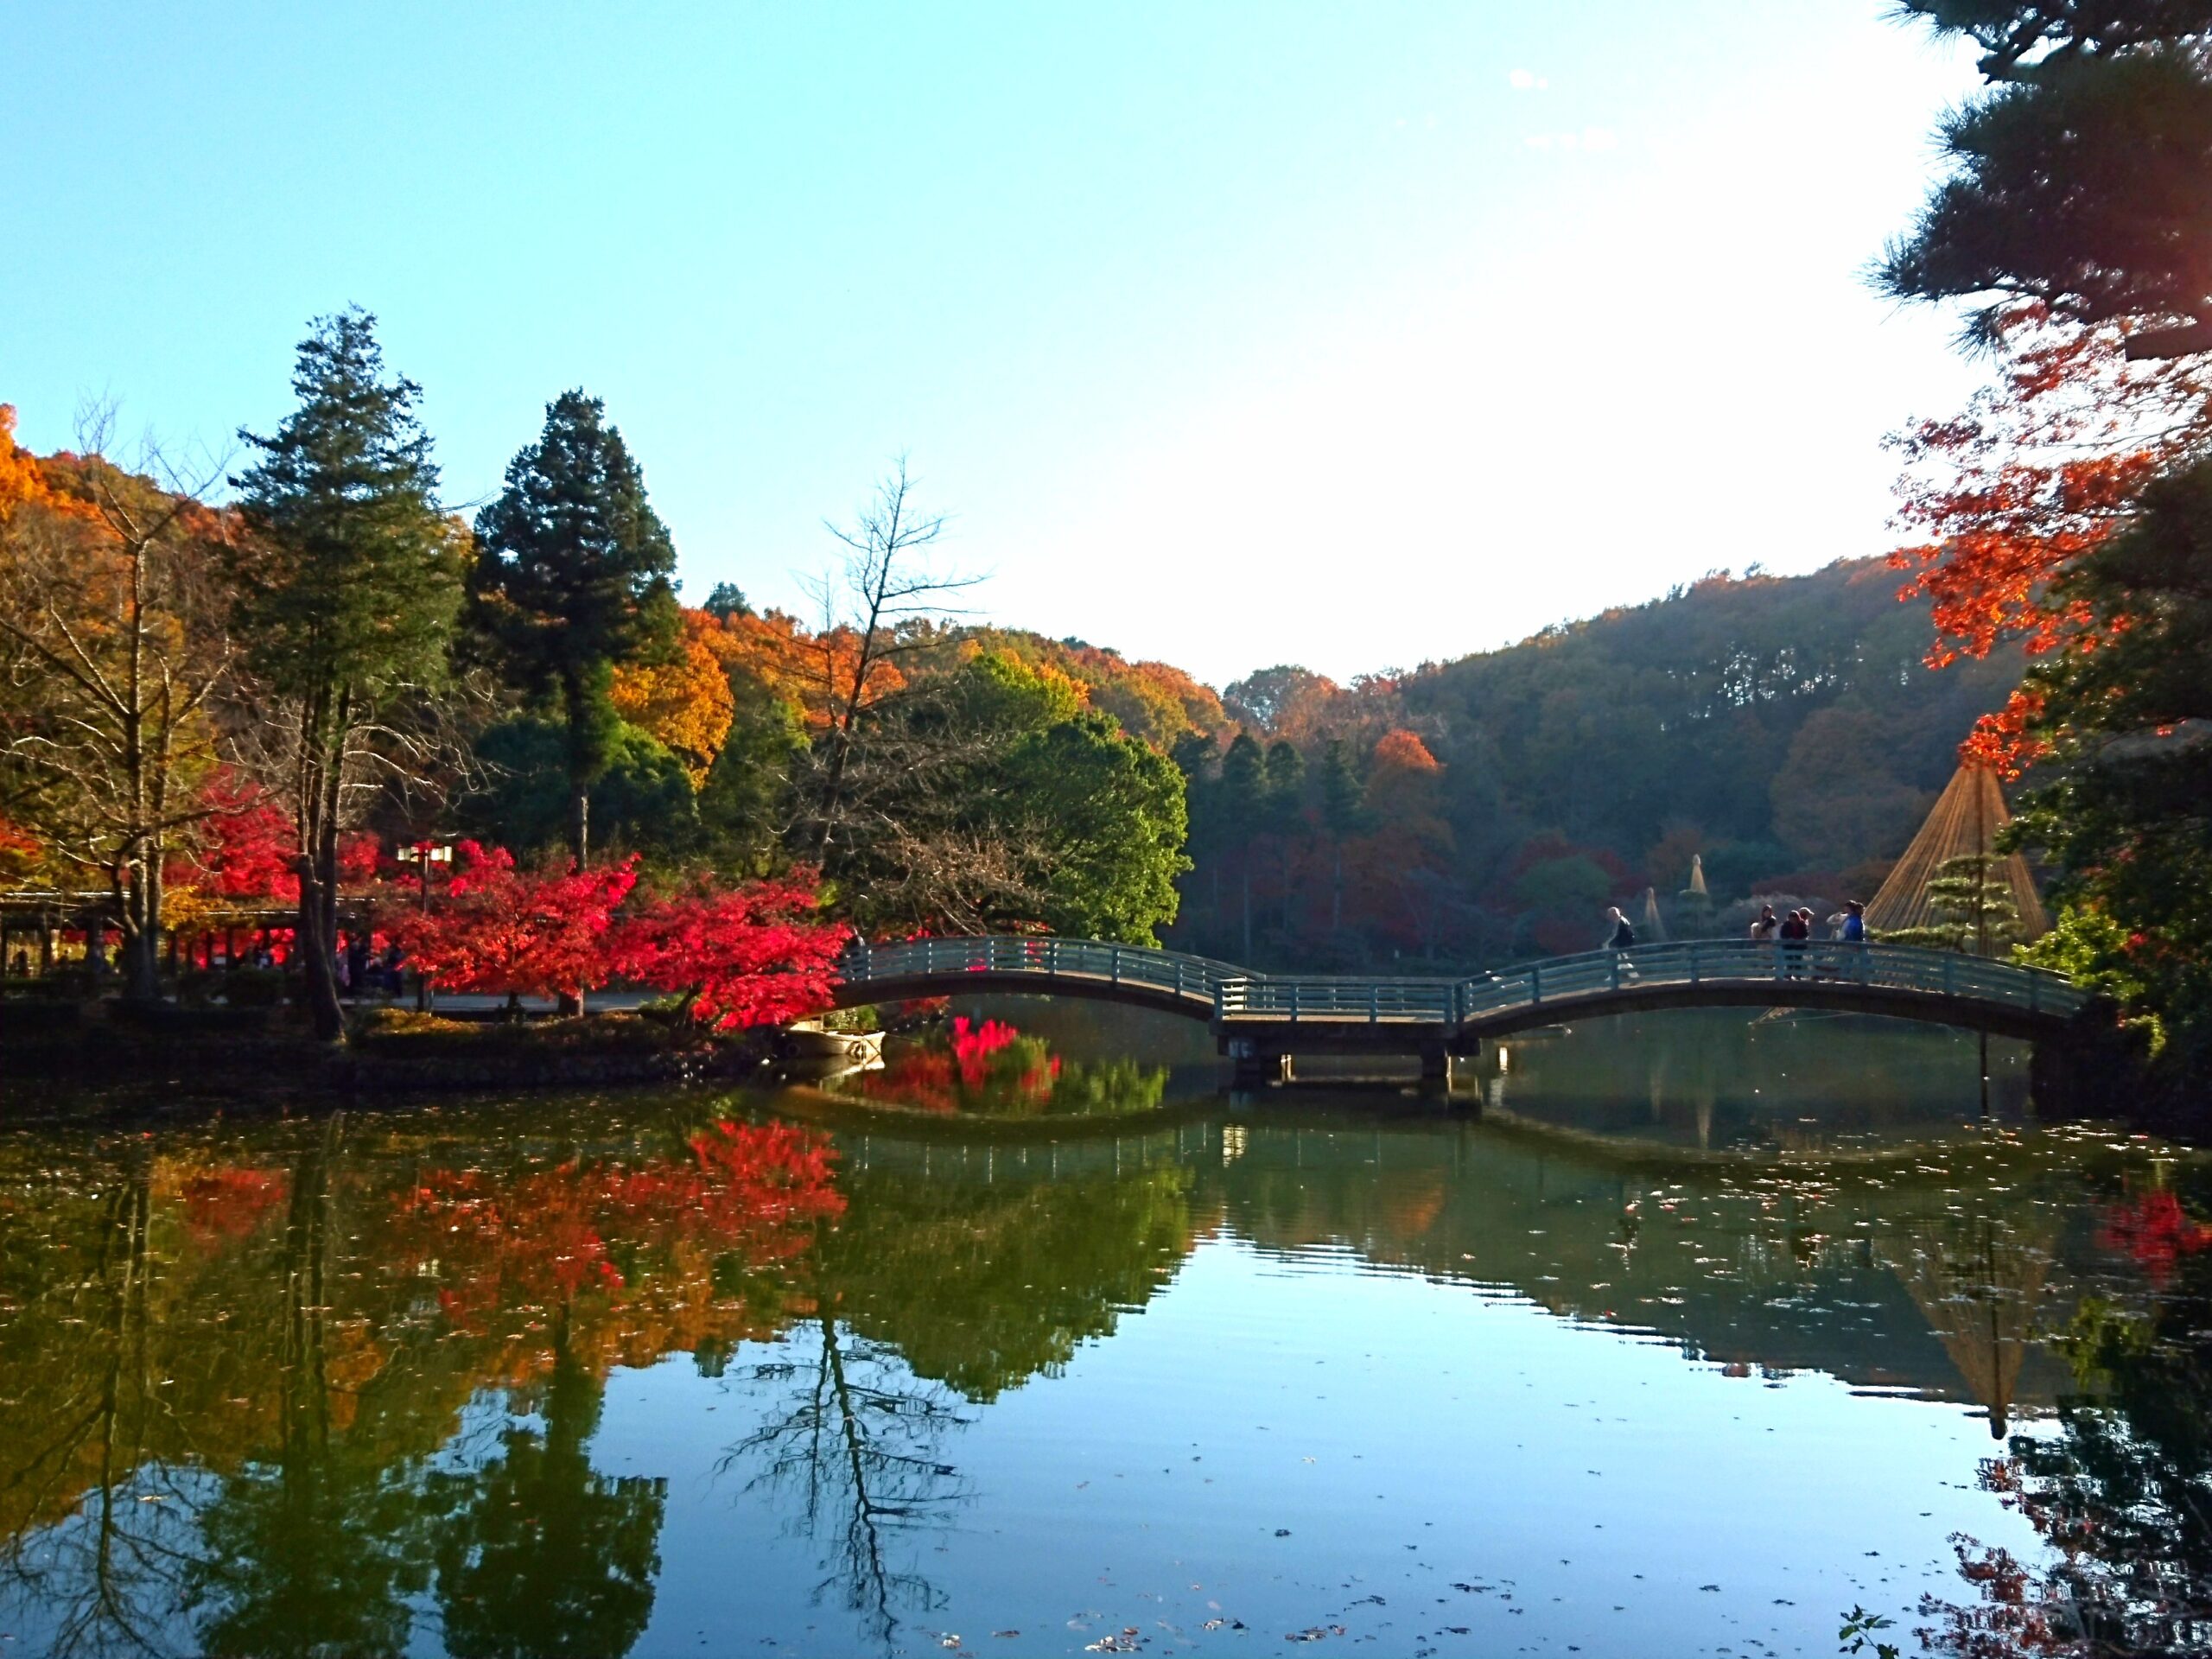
2155 1231
552 1234
977 1064
229 1202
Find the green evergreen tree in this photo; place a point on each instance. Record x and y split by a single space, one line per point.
347 593
1343 813
1286 783
1243 801
2078 178
1341 793
2125 806
1286 816
1973 907
573 579
1114 810
726 601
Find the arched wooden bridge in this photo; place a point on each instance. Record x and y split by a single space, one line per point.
1259 1018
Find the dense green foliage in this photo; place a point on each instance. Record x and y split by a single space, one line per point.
2079 177
574 578
345 593
2076 512
1785 729
2127 810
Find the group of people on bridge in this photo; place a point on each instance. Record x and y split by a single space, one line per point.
1790 935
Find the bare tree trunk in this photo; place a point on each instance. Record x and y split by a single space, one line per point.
884 593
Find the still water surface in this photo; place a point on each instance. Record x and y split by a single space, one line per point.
1668 1351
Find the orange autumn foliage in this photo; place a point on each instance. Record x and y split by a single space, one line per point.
685 703
2042 467
19 476
811 671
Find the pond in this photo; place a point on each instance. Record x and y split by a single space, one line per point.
1037 1345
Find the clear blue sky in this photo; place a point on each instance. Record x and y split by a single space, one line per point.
1230 333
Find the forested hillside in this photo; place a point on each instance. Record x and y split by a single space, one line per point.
1785 728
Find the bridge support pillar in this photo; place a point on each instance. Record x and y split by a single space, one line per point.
1451 1075
1253 1067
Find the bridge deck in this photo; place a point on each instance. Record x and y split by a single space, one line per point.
1389 1013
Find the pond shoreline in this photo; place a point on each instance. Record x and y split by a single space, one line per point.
119 1069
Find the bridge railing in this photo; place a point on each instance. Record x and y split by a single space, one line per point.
1339 1000
1232 994
1693 962
1193 977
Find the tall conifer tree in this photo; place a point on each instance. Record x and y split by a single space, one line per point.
574 578
346 595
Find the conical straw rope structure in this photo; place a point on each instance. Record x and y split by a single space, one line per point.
1966 818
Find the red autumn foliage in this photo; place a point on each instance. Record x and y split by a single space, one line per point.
756 1189
2155 1231
251 845
229 1203
750 955
2041 467
247 848
989 1066
497 928
974 1045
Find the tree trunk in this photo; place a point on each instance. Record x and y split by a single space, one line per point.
572 1002
138 903
313 947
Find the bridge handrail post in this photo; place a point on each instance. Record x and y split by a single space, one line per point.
1536 981
1114 965
1949 983
1694 964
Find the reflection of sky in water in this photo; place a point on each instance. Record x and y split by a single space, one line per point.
1411 1437
1453 1386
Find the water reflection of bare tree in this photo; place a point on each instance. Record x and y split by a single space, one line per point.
95 1581
857 1440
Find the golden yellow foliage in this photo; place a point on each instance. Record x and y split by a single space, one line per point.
685 703
812 671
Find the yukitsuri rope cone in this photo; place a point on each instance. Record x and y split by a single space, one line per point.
1966 818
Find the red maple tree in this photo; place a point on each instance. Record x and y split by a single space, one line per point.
760 954
497 928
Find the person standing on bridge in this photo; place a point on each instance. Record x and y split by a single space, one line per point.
1853 936
1797 934
1766 927
1624 938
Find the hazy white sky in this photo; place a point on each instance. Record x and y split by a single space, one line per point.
1230 333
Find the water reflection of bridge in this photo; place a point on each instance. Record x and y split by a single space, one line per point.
1874 1273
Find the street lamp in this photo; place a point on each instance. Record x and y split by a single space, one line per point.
424 856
